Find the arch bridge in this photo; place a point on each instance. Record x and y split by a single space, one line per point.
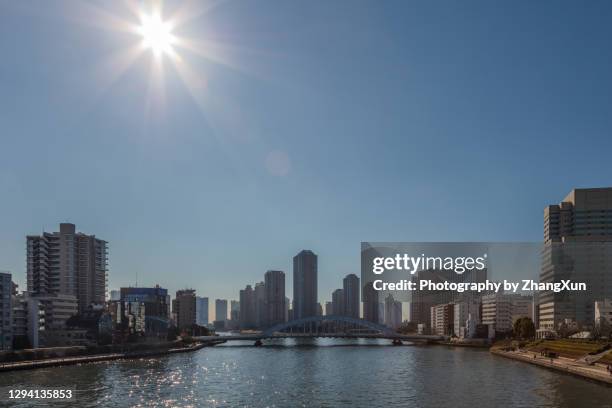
330 326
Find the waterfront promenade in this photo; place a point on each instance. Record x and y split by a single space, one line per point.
62 361
596 372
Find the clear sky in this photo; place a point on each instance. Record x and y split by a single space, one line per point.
299 124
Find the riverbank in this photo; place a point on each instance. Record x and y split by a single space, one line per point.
55 362
596 372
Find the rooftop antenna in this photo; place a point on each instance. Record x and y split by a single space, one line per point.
136 278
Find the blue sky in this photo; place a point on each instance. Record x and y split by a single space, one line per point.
328 124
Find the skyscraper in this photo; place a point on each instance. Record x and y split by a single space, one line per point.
275 297
260 304
220 310
370 303
235 312
156 305
338 302
350 285
247 308
201 311
305 283
184 308
577 247
68 263
6 314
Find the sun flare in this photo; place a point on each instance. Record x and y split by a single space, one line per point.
156 34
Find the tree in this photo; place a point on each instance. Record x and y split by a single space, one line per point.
524 328
407 327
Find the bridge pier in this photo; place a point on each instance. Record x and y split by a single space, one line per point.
258 343
397 342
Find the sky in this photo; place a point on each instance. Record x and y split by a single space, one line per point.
296 124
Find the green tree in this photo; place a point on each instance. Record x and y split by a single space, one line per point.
524 328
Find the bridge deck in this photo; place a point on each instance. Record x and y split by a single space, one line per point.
264 336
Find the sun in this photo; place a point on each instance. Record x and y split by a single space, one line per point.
156 34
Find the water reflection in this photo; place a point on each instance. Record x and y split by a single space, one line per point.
323 372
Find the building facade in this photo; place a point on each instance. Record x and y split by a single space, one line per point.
220 310
501 310
6 311
393 312
155 301
350 286
305 284
274 297
443 319
338 302
184 308
578 247
202 311
68 263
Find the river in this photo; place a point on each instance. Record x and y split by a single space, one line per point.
322 372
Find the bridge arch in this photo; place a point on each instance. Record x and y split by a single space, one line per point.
329 318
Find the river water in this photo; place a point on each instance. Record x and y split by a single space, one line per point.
322 372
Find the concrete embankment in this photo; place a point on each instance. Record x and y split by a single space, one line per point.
594 372
54 362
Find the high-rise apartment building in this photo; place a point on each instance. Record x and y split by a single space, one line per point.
274 297
371 303
184 308
201 311
305 283
260 304
247 308
329 308
220 310
68 263
442 319
6 311
338 302
235 312
350 286
577 247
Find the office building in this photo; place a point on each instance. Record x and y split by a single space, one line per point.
274 297
115 295
201 311
305 283
350 287
68 263
577 247
156 307
184 308
6 311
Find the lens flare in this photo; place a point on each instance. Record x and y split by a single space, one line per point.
156 34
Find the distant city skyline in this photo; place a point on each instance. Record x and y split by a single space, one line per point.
367 126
